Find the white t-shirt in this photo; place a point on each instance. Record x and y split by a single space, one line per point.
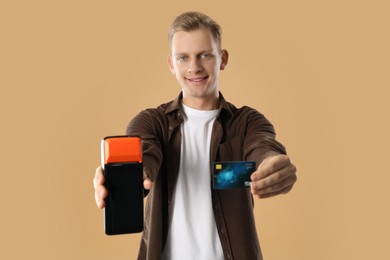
192 233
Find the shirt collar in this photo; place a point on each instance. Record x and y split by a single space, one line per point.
176 105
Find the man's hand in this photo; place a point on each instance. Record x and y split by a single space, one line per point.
101 191
275 175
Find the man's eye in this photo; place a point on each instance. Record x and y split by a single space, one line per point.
205 55
181 58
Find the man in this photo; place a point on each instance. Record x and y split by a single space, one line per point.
185 218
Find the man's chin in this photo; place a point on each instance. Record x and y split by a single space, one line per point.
199 92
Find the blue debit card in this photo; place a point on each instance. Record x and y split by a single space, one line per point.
232 175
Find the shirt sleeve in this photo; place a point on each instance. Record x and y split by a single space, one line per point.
260 139
145 126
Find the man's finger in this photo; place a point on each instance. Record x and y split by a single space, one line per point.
273 179
100 191
99 177
148 184
270 165
273 186
99 201
276 183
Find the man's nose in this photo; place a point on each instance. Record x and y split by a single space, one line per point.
194 66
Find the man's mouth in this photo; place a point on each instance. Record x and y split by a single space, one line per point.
197 79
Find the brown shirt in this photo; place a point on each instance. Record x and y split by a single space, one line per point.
239 134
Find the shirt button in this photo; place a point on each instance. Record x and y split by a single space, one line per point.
222 231
229 256
170 127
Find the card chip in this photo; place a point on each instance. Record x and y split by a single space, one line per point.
218 166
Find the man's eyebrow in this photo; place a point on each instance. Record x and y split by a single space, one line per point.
186 54
179 54
210 50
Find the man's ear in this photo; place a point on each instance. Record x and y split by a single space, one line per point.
170 64
224 59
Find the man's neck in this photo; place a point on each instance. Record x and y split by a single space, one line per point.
210 103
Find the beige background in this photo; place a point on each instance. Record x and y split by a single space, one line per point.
72 72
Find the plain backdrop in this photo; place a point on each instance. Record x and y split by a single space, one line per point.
72 72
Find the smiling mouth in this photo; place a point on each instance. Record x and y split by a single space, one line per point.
199 79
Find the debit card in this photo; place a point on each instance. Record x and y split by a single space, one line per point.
232 175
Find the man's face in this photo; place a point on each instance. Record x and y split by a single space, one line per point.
196 61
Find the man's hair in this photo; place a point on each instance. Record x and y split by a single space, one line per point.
190 21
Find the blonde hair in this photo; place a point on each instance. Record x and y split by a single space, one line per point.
190 21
